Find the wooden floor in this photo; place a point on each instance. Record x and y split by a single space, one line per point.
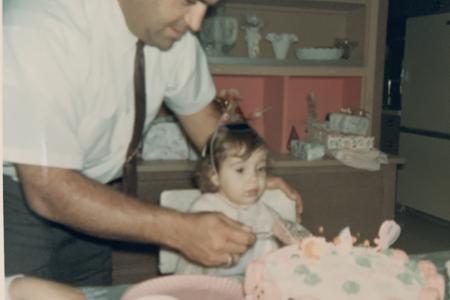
421 233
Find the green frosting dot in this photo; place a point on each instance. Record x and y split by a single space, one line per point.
363 261
312 279
301 269
351 287
412 265
388 252
406 278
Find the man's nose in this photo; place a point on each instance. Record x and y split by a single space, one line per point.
194 16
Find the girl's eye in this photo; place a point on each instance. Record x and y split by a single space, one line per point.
191 2
262 169
240 170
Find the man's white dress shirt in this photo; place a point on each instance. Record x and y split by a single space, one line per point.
68 84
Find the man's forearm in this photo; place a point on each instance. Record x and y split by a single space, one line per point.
67 197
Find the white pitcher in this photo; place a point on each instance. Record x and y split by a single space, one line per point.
220 34
281 43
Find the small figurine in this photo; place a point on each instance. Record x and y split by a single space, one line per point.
252 27
346 45
293 136
228 102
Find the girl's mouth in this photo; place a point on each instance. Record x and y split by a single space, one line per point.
252 193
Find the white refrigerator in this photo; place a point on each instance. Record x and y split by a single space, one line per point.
424 181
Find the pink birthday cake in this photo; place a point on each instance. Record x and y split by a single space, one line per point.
315 269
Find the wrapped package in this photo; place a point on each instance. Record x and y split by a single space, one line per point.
333 140
165 140
307 150
349 124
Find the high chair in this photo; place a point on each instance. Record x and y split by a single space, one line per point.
181 200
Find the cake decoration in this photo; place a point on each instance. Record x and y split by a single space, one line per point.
314 269
388 234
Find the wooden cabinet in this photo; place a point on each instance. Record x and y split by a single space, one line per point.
334 195
283 85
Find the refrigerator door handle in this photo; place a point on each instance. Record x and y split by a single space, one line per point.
424 132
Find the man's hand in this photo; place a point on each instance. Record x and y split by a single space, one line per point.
212 239
274 183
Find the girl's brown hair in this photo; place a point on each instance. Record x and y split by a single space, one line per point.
229 140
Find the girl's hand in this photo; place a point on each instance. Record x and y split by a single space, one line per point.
274 182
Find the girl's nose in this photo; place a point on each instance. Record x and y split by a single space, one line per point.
252 177
194 16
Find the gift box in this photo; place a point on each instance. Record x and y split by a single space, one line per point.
166 140
349 124
307 150
333 140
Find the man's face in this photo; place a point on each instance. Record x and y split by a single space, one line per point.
162 22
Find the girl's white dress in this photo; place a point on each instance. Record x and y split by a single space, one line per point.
257 216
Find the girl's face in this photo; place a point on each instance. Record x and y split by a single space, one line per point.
242 181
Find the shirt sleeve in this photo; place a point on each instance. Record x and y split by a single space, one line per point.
190 86
40 126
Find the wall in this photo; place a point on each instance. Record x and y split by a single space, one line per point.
287 99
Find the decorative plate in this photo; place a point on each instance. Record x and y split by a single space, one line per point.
187 287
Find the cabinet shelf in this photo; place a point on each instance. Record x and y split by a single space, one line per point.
336 5
273 67
284 161
317 23
283 85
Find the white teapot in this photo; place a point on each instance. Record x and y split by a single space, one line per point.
281 43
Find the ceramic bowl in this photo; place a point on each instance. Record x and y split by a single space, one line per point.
319 53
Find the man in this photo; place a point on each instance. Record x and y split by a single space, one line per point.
69 111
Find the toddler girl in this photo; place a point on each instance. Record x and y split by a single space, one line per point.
232 177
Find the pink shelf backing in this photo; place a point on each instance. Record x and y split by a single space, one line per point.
286 97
